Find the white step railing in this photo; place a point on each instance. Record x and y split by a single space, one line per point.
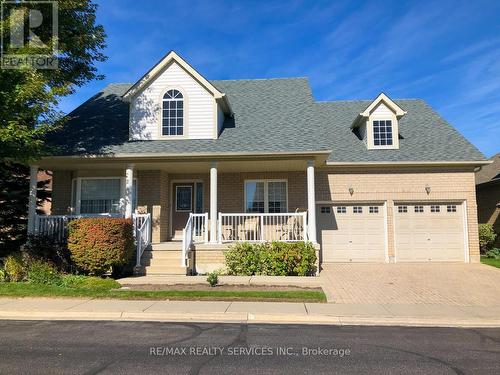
142 230
287 227
196 230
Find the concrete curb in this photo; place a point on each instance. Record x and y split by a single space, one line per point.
249 318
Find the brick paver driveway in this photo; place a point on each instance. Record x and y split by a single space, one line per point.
403 283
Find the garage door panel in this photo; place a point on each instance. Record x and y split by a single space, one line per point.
435 233
349 235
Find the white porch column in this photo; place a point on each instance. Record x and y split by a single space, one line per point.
311 202
32 199
213 203
129 186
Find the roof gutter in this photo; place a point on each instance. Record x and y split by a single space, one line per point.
407 163
215 155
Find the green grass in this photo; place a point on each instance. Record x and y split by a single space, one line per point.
106 288
490 261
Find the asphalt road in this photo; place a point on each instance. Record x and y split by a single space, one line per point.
57 347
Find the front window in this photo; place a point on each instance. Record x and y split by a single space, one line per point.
100 196
265 196
173 113
382 133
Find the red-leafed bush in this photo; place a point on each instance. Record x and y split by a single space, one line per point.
97 244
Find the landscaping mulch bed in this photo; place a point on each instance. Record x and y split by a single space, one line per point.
223 287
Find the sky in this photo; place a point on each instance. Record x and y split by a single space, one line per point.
445 52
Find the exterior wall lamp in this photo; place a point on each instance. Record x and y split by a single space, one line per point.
427 189
351 190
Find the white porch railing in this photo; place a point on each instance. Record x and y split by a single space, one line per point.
196 230
142 230
287 227
56 227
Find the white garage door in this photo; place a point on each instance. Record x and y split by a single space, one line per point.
429 232
352 233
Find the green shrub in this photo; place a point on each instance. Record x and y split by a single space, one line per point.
486 237
42 272
493 253
213 278
14 266
274 259
98 244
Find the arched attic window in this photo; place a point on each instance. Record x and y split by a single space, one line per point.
173 113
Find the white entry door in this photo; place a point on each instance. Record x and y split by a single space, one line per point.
352 233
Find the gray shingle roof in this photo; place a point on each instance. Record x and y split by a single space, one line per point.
489 172
270 115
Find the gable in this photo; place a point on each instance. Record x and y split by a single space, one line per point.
200 107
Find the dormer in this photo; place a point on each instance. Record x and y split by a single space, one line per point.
173 101
378 124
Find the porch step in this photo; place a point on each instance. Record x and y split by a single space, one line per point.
165 270
161 254
167 246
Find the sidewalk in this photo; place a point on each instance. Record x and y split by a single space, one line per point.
248 312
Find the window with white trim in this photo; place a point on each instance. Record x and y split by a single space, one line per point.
418 209
172 113
382 133
100 195
451 208
341 209
402 209
373 209
435 208
266 196
357 209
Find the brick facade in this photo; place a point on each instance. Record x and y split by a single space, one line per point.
332 185
400 185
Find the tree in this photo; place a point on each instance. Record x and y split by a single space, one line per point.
29 99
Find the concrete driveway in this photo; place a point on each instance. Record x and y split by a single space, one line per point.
412 284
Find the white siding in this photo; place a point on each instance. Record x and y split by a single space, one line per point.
145 108
220 119
362 132
382 112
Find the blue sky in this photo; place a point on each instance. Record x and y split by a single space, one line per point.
445 52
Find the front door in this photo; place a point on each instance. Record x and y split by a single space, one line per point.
182 205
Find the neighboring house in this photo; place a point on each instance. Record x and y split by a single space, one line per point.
213 162
488 195
46 178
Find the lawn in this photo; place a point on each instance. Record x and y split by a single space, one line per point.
490 261
107 288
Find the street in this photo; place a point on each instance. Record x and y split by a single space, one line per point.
92 347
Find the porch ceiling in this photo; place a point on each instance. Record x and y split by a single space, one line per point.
234 163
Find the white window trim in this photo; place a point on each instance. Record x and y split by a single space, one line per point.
395 131
192 196
266 191
186 114
75 206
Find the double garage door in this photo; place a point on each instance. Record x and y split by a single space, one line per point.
422 232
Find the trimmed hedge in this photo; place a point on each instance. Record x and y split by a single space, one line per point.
98 244
271 258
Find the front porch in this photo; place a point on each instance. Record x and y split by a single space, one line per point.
185 217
